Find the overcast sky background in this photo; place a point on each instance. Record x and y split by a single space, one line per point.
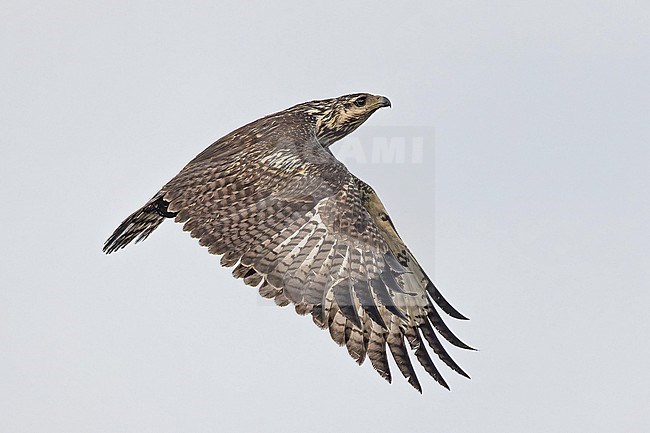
529 208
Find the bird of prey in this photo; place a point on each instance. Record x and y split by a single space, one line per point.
272 200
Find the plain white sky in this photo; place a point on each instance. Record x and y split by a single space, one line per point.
529 208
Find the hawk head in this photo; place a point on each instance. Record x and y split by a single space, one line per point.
337 117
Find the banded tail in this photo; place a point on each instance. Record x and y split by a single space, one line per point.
140 224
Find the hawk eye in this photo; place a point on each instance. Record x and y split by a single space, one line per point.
360 101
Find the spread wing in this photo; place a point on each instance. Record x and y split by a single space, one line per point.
297 224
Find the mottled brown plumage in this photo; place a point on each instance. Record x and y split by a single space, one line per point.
273 201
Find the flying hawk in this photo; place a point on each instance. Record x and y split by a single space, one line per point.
272 200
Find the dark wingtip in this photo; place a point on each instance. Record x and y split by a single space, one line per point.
413 381
466 347
444 330
385 375
443 303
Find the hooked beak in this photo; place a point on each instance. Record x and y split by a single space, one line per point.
383 101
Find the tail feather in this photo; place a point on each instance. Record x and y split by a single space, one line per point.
139 225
